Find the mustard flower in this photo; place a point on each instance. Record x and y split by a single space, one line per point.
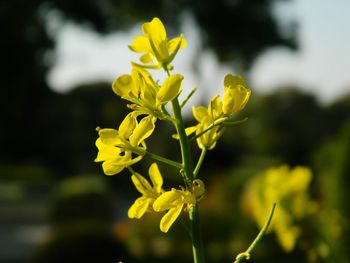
289 188
208 117
210 120
155 45
175 200
236 94
149 193
116 146
148 97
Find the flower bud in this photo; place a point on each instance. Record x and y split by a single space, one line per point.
170 89
236 94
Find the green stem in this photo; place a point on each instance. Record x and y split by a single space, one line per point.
164 160
246 255
199 163
131 170
211 126
188 97
197 244
142 151
184 144
234 123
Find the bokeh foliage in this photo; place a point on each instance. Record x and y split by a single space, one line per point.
46 138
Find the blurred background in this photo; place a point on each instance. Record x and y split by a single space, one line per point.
59 58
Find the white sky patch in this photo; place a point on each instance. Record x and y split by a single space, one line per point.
83 56
321 66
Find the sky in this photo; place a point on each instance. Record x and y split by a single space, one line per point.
320 66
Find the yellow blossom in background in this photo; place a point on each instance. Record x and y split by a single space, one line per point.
175 200
149 193
155 45
287 187
148 97
115 147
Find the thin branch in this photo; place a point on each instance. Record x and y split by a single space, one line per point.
246 255
200 161
188 97
142 151
224 123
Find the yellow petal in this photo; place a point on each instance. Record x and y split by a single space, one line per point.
175 136
112 167
143 130
170 89
141 184
236 94
169 218
127 160
109 136
146 87
139 207
235 99
156 177
123 86
287 237
140 44
106 151
200 113
127 126
188 131
156 33
174 46
146 58
173 43
168 200
232 81
299 178
209 138
154 28
215 107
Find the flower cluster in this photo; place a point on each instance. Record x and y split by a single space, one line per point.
121 148
155 45
116 146
145 94
155 199
211 119
289 188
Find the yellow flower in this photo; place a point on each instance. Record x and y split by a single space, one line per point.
148 97
210 120
144 203
175 200
236 94
170 88
116 146
155 45
289 189
207 117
